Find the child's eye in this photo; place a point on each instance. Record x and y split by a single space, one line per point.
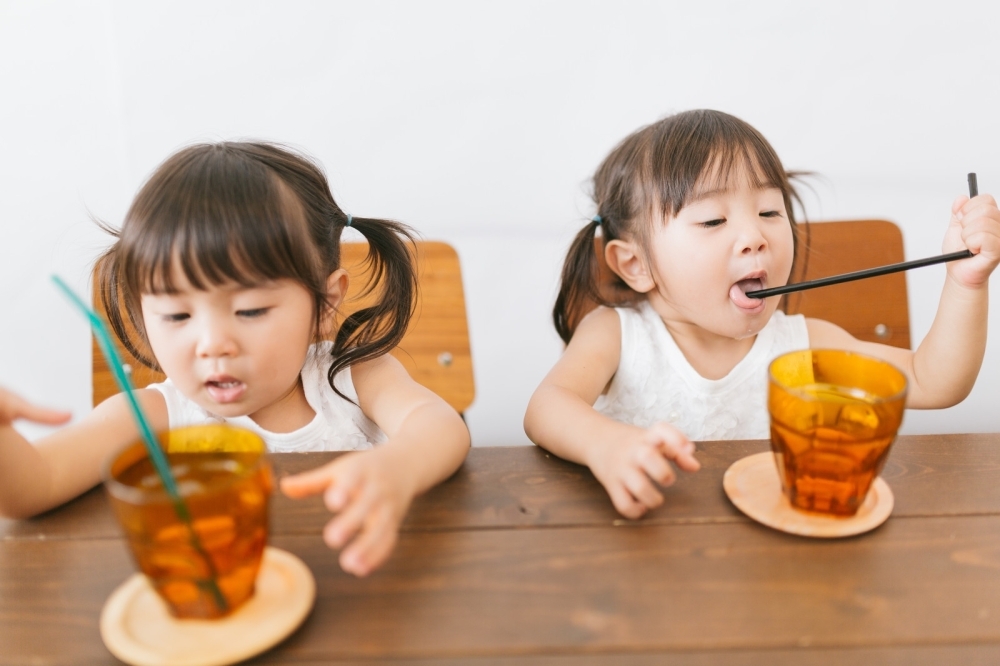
771 213
251 314
175 317
713 223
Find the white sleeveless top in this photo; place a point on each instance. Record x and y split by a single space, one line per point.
654 381
339 425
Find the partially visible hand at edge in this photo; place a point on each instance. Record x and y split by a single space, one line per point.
14 407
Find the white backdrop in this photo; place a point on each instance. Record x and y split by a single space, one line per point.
479 124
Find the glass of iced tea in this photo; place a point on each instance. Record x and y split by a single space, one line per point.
834 415
202 558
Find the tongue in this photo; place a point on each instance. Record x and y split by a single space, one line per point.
738 293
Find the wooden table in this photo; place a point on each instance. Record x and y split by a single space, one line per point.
520 559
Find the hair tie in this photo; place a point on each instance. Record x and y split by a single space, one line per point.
598 219
349 220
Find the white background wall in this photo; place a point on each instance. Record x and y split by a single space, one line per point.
479 124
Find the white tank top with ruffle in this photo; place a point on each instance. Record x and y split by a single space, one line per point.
654 381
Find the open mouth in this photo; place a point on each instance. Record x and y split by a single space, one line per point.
738 293
225 389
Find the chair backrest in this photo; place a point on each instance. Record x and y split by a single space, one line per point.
874 309
435 349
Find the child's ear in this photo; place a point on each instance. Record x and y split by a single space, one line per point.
336 290
625 261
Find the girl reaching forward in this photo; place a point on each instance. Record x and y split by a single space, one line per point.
228 266
695 211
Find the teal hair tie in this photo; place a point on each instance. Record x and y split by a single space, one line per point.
597 219
349 220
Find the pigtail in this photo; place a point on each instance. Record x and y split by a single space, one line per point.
376 330
579 284
123 314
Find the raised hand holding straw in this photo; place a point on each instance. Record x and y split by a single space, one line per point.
153 449
870 272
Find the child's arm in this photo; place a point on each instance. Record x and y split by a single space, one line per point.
36 477
943 369
371 491
624 458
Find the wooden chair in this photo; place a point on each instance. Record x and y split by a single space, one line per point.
435 349
874 309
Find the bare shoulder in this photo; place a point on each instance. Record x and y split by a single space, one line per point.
376 370
384 381
387 394
601 327
591 358
601 317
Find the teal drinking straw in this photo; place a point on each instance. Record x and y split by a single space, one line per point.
148 438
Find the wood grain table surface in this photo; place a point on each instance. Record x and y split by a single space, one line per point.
520 558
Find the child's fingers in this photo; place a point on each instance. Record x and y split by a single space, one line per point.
655 465
43 414
342 529
13 407
372 546
982 234
977 201
956 205
312 482
624 503
674 445
640 487
350 480
337 481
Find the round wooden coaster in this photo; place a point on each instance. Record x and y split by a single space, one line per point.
754 486
137 628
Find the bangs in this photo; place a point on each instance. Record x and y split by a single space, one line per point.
218 217
708 152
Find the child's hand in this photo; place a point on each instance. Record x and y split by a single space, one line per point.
628 469
14 407
370 496
975 224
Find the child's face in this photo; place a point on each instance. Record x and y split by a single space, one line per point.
724 242
234 350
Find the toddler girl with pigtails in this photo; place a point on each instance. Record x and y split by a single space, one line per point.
694 212
228 267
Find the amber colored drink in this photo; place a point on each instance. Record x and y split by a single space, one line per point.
834 417
217 553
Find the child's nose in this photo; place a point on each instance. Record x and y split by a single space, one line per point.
751 239
755 247
215 340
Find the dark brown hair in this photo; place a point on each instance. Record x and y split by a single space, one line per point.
252 212
649 177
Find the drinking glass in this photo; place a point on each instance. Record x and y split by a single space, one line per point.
834 415
202 555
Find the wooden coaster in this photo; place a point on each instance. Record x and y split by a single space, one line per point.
754 486
137 628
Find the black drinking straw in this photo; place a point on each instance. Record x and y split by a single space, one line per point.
870 272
